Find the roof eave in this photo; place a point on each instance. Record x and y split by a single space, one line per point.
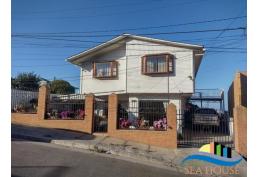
74 58
94 49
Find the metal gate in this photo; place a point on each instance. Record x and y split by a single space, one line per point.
195 131
100 122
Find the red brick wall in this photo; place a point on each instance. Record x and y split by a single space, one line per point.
167 139
40 121
237 107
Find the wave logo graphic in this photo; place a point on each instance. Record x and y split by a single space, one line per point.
214 153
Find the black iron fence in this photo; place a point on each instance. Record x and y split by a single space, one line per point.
70 106
24 100
195 130
100 114
143 115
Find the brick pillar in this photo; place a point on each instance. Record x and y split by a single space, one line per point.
112 113
42 101
89 112
172 121
240 130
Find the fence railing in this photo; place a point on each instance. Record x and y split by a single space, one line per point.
142 115
70 106
208 93
24 100
196 130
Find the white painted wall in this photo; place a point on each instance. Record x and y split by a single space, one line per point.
93 85
176 99
131 80
178 81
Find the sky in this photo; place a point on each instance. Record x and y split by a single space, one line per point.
45 33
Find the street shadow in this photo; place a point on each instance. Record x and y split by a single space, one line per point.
51 170
40 134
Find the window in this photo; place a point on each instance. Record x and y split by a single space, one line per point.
105 69
160 63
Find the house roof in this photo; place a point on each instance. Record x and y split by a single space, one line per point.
119 40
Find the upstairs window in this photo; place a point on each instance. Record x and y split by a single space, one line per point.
158 63
105 69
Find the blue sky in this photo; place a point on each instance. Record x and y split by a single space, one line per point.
48 41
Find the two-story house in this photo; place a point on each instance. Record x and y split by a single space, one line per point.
140 68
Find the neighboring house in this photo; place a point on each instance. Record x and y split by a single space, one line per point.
140 68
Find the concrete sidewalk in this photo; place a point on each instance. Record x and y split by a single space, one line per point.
103 144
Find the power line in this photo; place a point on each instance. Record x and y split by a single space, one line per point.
77 46
224 51
191 39
58 65
45 46
222 32
143 28
121 71
232 37
181 59
144 34
211 51
100 42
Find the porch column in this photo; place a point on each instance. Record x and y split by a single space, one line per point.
112 112
172 124
89 112
42 101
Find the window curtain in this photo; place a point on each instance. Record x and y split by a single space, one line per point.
151 62
156 64
103 69
162 64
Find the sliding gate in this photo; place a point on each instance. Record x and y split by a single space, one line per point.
193 133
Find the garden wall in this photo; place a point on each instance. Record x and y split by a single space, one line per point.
20 96
39 120
167 138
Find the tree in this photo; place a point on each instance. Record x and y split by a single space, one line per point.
25 80
61 87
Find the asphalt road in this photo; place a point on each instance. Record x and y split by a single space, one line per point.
36 159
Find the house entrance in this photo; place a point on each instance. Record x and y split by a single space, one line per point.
100 122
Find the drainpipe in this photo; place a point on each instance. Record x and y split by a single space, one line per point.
125 73
81 78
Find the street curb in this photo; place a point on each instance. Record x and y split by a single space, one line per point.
101 148
96 148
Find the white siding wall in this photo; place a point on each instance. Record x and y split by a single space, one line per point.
93 85
178 81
